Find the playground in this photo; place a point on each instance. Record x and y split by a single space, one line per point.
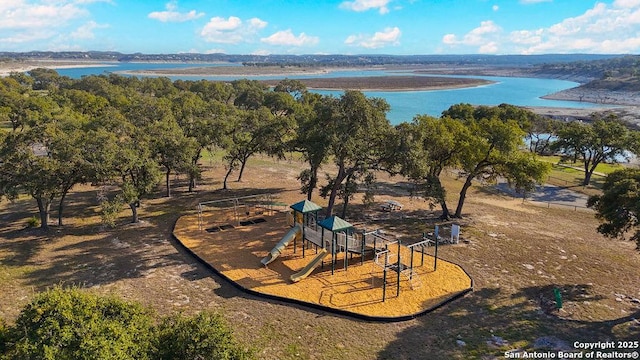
288 252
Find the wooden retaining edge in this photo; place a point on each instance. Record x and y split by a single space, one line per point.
388 319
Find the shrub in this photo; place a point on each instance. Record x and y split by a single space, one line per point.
110 210
4 337
204 336
33 222
71 324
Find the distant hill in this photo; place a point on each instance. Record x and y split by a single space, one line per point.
620 73
595 71
517 61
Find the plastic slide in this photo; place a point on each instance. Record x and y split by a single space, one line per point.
277 250
310 266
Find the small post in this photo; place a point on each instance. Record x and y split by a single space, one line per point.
384 274
411 266
333 251
435 257
558 296
399 269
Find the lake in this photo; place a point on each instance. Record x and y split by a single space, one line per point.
404 104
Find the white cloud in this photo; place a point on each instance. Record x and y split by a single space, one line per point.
626 3
389 36
526 37
44 22
171 15
604 28
215 51
489 48
86 30
286 37
261 52
20 15
364 5
26 37
232 30
495 7
485 37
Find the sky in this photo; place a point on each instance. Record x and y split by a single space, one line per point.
397 27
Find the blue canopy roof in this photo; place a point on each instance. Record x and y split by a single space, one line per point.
305 206
334 224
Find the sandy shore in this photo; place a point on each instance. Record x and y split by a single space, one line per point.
364 83
6 68
388 83
235 71
597 96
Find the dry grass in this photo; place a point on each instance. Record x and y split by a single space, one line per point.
515 253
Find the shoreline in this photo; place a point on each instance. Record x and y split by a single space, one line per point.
622 103
6 68
239 71
388 83
597 96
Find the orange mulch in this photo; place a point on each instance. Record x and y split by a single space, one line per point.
236 253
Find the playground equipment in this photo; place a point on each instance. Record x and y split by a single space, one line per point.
294 233
388 260
308 269
333 236
238 209
304 214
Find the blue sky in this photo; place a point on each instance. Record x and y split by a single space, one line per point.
400 27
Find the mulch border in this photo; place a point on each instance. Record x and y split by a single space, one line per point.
387 319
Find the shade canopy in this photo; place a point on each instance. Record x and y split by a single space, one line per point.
306 206
334 224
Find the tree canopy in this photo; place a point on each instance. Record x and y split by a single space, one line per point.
619 205
493 148
605 140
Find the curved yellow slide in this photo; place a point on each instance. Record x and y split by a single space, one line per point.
295 231
310 266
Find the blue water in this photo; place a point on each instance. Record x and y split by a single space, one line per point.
404 104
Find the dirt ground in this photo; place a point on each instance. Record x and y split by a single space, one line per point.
517 255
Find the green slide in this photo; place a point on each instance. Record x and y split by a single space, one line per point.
310 266
295 231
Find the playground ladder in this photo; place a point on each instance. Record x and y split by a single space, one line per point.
412 276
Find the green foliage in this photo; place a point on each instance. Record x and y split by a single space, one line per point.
603 141
33 222
72 324
204 336
4 337
429 145
492 147
369 198
109 210
358 132
619 205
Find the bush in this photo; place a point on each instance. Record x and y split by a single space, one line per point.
71 324
4 337
204 336
33 222
110 209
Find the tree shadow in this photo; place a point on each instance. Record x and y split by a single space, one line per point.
107 258
469 327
